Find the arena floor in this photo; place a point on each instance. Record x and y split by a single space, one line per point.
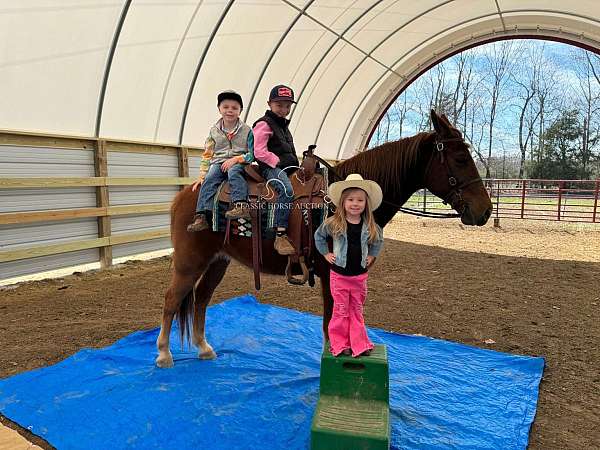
527 287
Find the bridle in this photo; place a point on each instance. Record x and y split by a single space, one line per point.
454 197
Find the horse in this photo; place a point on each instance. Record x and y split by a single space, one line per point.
439 161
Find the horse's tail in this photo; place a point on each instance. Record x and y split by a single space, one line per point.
185 316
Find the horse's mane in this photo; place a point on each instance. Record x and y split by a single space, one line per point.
387 163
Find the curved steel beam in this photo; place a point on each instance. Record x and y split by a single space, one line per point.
172 68
352 72
111 54
265 67
423 13
197 72
500 14
318 22
339 37
509 34
323 33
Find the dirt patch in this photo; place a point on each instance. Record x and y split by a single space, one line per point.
532 288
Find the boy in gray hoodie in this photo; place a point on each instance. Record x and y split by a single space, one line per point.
229 146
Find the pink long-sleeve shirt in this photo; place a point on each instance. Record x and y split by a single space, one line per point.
262 133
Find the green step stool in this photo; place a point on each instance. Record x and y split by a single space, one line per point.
353 411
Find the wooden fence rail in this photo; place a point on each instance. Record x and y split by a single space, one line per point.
103 210
102 182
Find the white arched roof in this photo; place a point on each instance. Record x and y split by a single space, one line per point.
149 70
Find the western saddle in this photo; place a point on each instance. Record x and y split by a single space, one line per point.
310 189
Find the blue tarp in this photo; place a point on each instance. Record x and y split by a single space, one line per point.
261 391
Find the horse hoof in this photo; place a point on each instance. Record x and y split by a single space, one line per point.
164 362
209 354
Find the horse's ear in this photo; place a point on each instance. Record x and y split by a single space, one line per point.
438 123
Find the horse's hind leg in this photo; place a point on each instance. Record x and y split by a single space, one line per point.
181 286
204 291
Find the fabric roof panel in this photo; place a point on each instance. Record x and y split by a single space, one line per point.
387 17
589 8
362 119
181 71
54 55
332 132
237 56
52 62
292 63
322 89
306 62
565 26
140 68
339 15
431 24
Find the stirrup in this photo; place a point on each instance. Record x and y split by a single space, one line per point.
288 272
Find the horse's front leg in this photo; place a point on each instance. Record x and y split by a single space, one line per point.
204 291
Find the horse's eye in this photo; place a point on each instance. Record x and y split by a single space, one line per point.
462 161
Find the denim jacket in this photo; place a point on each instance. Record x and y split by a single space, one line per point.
340 244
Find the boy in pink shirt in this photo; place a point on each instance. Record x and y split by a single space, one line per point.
274 150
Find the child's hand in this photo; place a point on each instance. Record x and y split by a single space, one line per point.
196 184
229 163
370 261
330 257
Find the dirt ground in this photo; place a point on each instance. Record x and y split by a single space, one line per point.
529 288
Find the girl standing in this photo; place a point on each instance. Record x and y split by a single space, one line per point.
357 241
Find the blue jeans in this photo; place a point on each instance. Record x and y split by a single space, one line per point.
214 178
281 184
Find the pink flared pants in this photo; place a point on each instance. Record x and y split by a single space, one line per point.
347 326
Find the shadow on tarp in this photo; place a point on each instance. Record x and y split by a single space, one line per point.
262 389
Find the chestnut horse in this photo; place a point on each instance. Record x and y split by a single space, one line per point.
439 161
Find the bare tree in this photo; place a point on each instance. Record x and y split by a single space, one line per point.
499 63
505 95
465 84
402 107
530 78
588 102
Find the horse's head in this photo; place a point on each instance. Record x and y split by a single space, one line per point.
451 174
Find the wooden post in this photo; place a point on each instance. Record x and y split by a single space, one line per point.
184 167
102 201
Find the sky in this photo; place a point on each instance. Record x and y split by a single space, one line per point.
557 57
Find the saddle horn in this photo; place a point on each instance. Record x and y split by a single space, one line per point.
310 151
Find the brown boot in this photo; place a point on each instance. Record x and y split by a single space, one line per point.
283 245
239 211
199 224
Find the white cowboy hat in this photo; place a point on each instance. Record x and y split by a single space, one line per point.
354 180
